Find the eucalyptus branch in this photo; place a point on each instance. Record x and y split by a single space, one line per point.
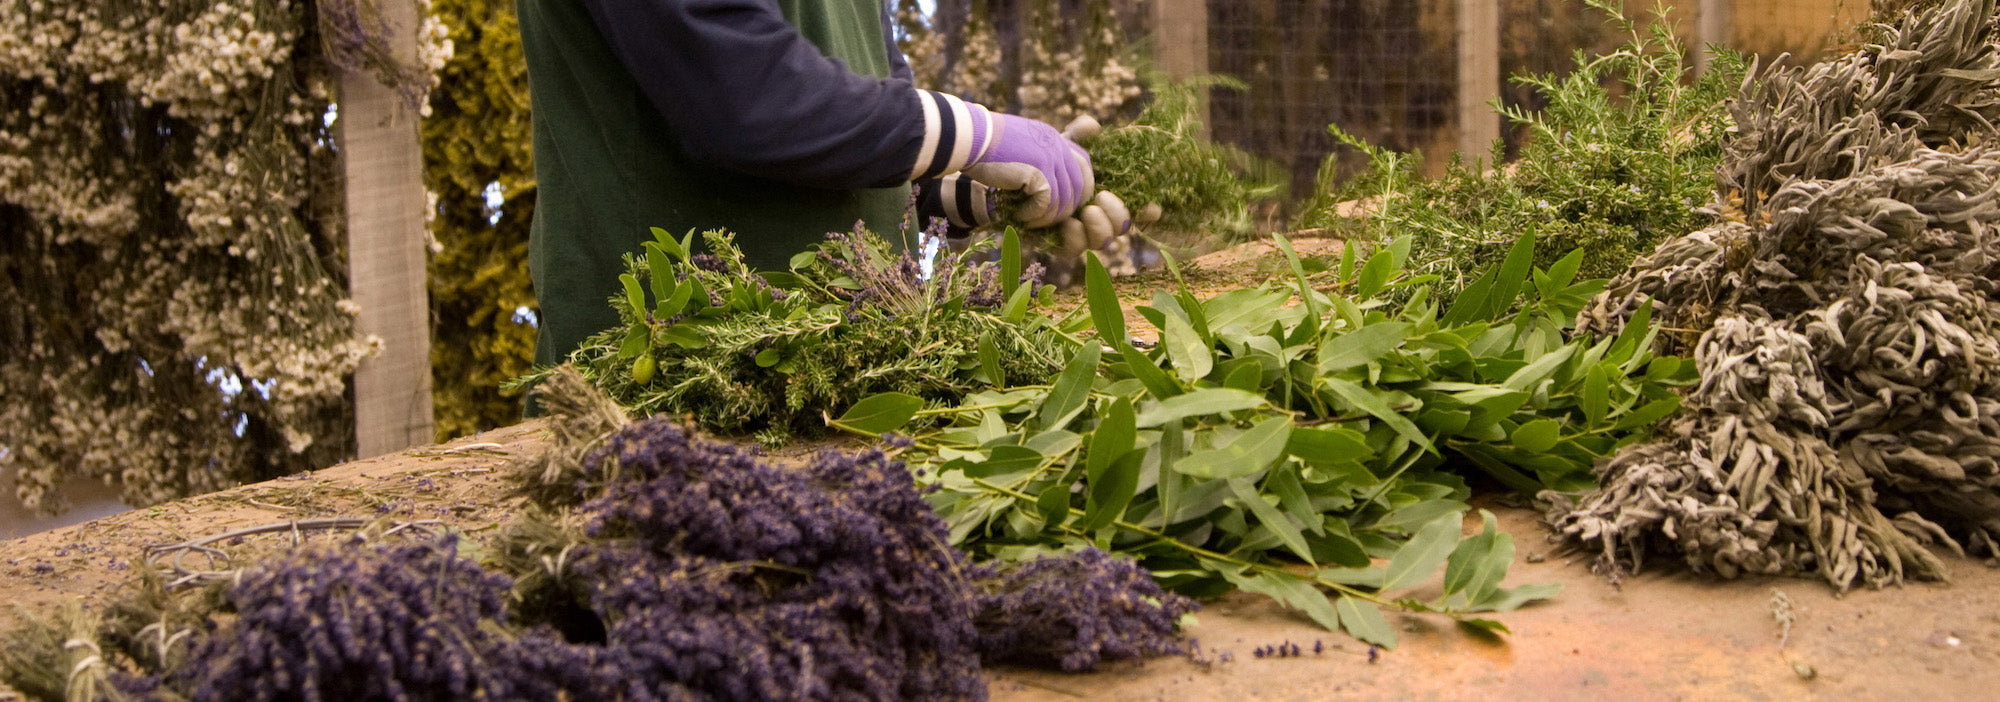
1162 538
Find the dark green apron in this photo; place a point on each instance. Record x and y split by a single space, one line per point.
609 170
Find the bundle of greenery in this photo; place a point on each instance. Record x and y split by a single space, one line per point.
1616 162
1845 318
708 340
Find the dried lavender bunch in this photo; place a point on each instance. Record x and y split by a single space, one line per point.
717 570
374 622
1077 610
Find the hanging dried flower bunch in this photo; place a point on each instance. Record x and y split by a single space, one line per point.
170 247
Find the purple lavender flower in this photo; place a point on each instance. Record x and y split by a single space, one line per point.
368 622
1078 610
718 571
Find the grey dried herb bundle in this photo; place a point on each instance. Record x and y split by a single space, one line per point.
1848 324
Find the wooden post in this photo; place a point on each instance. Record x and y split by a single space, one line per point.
383 163
1478 76
1180 43
1711 26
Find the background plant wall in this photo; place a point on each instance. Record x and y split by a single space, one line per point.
171 244
170 250
477 166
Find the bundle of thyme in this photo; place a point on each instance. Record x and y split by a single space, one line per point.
736 351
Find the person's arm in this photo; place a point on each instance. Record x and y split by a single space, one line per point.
745 91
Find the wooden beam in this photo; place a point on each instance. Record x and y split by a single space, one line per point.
1180 43
1711 26
1478 76
383 163
1180 37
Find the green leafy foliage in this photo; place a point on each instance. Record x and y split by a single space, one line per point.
776 354
1163 157
1321 437
476 138
1617 161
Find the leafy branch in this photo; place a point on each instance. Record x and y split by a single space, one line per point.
1309 452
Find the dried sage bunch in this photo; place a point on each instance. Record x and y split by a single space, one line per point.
1845 319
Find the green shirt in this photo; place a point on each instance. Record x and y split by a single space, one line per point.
609 165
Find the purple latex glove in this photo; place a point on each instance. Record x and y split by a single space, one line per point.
1032 157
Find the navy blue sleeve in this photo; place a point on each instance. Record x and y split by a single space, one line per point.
899 65
745 91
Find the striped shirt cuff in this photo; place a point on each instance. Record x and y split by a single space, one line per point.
955 135
962 201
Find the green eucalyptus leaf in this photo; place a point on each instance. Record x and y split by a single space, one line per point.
1053 503
1112 439
1071 389
1054 443
1471 306
1005 460
681 335
1299 274
635 297
1244 374
1283 482
1537 436
1250 454
1361 346
1364 621
1485 626
1513 272
1271 518
1375 273
1148 373
769 357
1596 397
635 342
1191 355
880 413
1111 492
1418 558
1369 401
1412 517
1650 413
1292 591
1328 445
989 362
1563 272
1105 311
1478 563
666 242
1539 370
1199 403
1508 600
660 270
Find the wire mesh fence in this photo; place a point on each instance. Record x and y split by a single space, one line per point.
1393 72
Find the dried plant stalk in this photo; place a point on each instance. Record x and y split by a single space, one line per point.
1846 321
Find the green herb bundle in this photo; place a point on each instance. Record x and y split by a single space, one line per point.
1280 439
737 351
1620 159
1162 157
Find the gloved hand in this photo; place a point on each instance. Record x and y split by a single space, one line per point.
1030 156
